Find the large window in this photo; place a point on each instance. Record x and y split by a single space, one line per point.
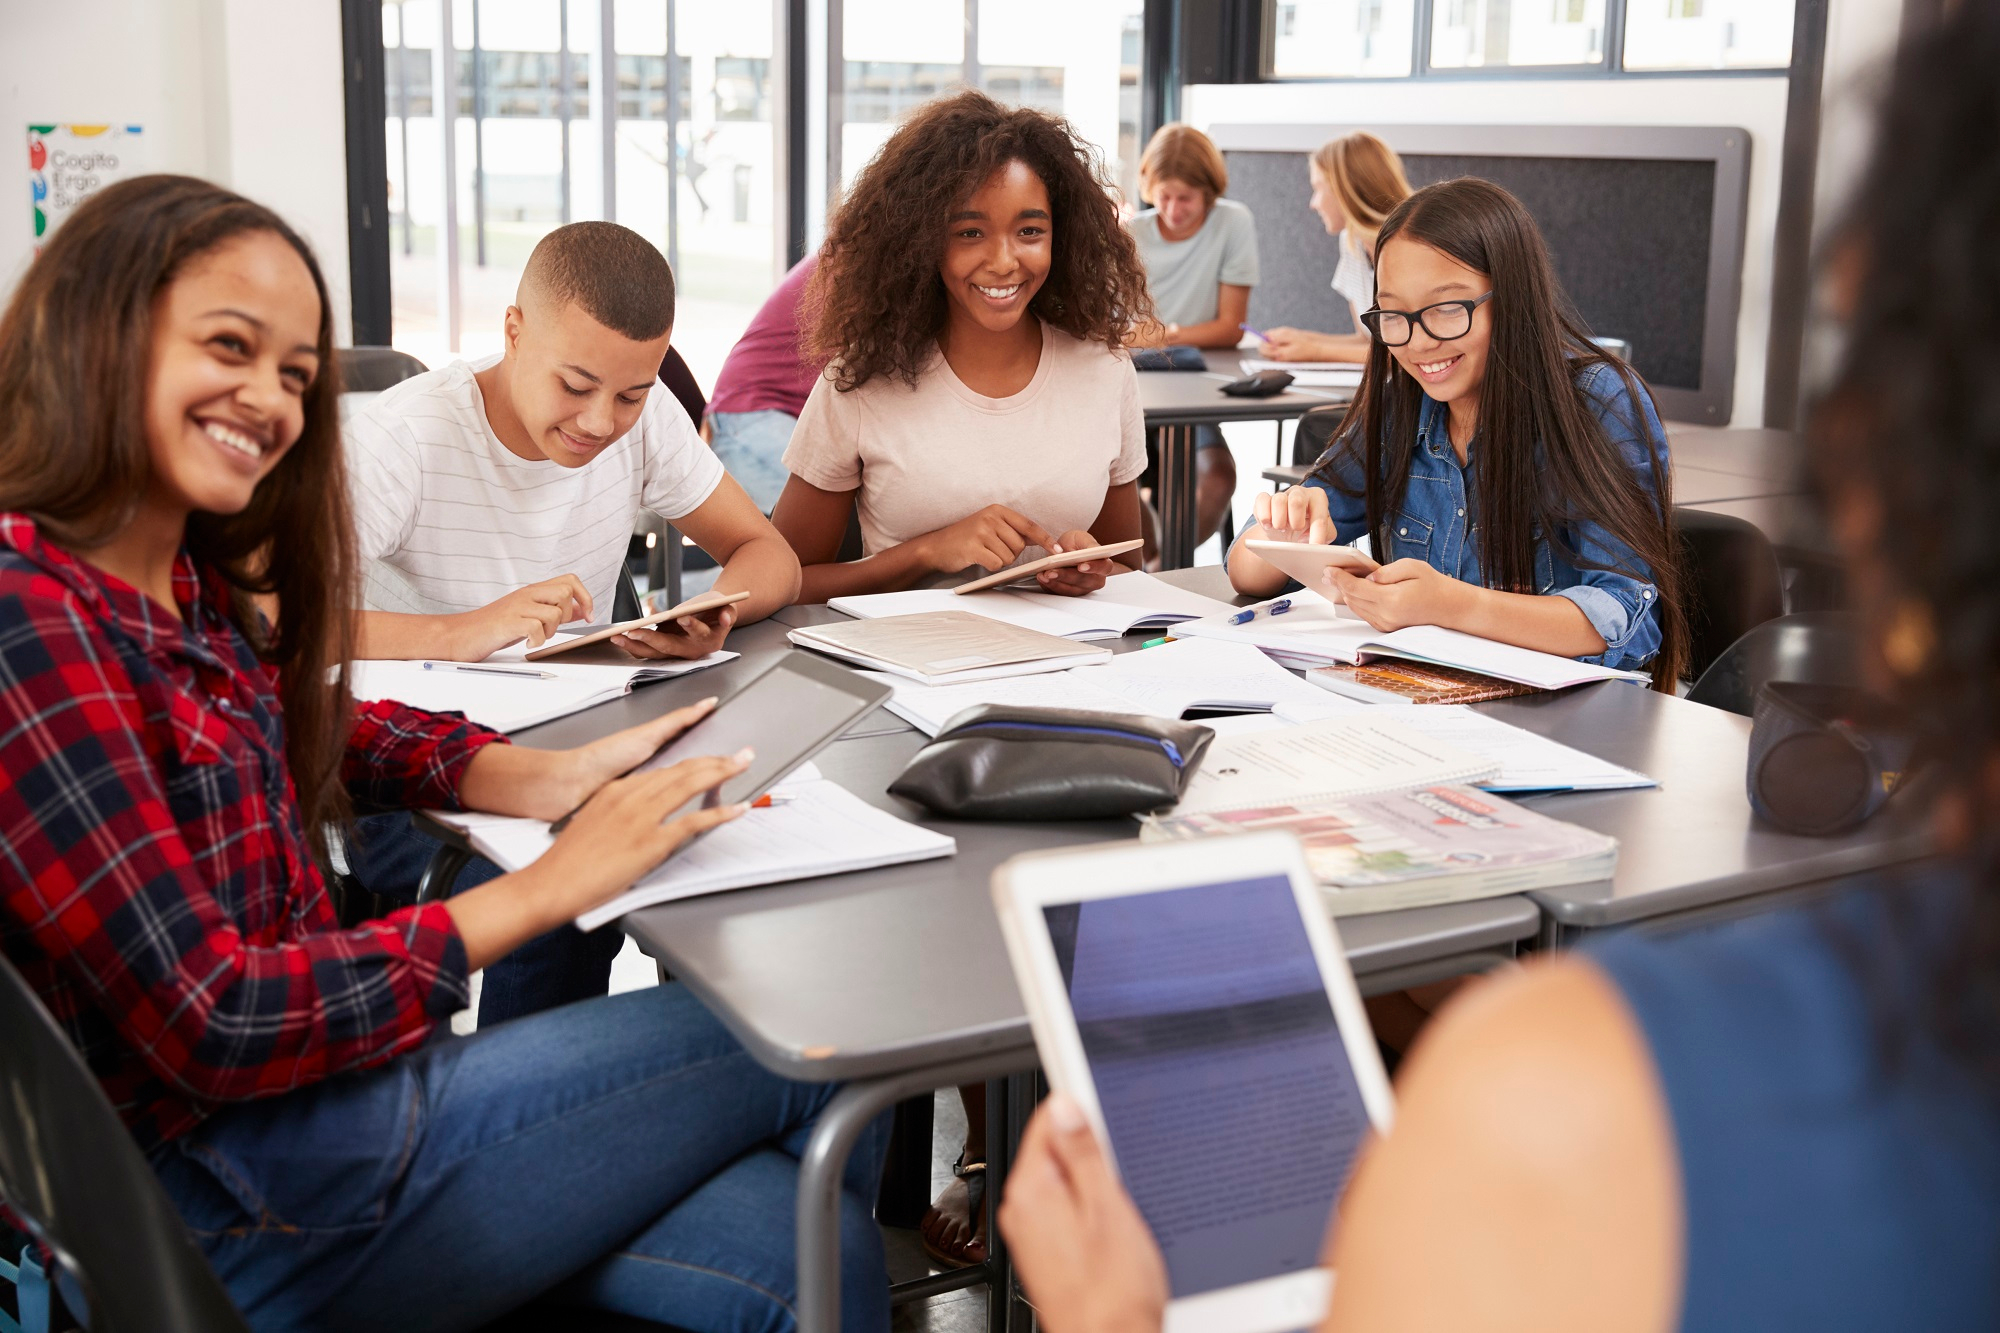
1332 39
1078 60
690 145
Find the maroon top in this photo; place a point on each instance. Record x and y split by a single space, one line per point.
763 372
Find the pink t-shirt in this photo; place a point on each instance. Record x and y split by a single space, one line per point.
927 457
763 372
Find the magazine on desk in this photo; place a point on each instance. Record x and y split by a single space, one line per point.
1416 847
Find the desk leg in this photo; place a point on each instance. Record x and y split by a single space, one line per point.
1176 497
825 1161
442 872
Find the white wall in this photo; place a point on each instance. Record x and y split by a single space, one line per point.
246 93
1754 104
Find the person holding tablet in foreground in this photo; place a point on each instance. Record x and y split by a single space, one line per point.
1787 1122
974 299
1512 476
172 757
1357 181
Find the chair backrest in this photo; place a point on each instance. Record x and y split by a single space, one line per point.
1315 433
373 369
1812 647
72 1174
680 381
1733 583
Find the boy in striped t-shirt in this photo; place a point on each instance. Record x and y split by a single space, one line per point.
494 501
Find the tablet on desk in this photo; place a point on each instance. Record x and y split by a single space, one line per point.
787 715
1195 1001
1307 561
694 606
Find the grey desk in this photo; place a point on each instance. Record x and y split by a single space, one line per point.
895 980
1177 402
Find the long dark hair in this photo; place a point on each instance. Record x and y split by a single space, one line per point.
1545 463
75 372
1905 443
875 305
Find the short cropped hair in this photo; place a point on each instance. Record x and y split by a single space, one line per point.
1178 152
618 277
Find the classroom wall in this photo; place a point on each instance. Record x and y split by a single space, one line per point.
246 93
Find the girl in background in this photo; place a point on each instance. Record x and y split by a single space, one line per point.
1357 181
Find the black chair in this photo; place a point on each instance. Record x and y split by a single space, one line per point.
72 1174
373 369
1812 647
1733 583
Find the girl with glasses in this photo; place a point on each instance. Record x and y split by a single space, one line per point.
1511 476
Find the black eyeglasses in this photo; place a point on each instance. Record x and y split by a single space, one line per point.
1444 321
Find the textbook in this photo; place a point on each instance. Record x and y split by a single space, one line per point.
507 694
1128 601
1408 682
813 827
1417 847
1341 757
938 647
1312 634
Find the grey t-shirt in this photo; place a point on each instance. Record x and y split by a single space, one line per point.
1184 275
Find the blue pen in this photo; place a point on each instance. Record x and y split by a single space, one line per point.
1282 605
1258 334
1248 614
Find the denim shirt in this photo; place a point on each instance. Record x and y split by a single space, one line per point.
1439 525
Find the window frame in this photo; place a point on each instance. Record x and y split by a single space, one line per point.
1610 66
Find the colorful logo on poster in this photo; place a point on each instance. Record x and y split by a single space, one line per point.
69 163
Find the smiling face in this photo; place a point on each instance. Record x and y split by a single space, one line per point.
1410 275
235 347
575 386
1182 207
998 249
1326 201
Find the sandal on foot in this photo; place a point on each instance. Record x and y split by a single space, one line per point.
972 1250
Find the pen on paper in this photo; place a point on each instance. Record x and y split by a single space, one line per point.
528 673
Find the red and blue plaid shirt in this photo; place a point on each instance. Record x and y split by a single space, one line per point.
156 887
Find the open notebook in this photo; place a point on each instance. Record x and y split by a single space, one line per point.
1129 601
1312 634
496 697
813 827
1357 755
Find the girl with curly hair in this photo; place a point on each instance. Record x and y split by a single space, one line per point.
974 299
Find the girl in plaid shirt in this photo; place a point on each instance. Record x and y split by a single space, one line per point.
169 461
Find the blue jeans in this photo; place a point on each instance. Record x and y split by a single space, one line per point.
623 1154
388 856
752 446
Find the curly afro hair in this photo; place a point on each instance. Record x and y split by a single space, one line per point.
875 306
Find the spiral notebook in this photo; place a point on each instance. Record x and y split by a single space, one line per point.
1325 761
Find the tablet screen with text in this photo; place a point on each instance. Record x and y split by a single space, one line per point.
1232 1109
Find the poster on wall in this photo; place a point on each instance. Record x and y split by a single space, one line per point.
69 163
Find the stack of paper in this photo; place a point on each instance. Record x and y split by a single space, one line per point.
508 694
1163 682
1129 601
942 647
1322 761
818 828
1311 374
1311 634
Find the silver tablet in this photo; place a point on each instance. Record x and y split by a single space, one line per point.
787 715
1195 1001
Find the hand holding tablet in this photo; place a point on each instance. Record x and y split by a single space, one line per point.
695 606
1086 552
1308 563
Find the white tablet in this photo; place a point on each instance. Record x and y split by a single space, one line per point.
1194 999
1306 562
1082 555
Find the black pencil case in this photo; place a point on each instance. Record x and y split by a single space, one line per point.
1002 762
1176 356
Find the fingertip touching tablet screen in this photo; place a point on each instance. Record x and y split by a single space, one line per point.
1230 1069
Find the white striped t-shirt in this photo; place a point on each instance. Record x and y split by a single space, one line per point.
449 519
